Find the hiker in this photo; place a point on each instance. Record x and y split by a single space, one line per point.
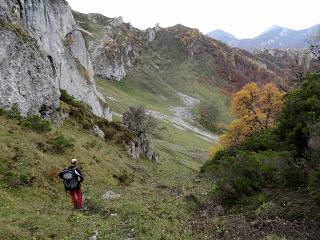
72 179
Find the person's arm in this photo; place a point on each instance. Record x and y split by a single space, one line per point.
61 174
78 172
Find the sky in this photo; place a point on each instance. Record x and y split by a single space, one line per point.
242 18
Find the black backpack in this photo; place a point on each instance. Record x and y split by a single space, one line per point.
70 179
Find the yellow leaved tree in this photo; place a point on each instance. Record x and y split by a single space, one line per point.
255 108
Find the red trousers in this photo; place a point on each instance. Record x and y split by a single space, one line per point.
76 198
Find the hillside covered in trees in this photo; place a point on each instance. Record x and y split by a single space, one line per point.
266 166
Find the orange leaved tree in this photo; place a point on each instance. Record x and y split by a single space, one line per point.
255 108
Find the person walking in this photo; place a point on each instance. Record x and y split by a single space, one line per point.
72 179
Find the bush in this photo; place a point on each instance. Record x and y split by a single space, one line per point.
14 112
37 124
117 126
242 173
261 141
15 180
301 110
60 143
124 136
84 116
69 99
125 178
109 133
210 116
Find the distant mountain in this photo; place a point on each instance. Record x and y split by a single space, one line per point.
223 36
273 38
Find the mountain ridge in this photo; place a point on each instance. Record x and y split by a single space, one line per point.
274 37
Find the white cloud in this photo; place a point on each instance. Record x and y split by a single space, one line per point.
246 18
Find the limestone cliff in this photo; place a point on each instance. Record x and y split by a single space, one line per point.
42 51
114 46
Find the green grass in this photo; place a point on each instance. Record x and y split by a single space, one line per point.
42 210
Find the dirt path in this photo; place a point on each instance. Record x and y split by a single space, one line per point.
182 117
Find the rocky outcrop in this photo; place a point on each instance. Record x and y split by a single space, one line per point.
291 63
26 77
42 51
141 146
98 132
115 45
139 123
118 49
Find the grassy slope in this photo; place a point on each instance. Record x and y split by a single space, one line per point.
145 211
166 68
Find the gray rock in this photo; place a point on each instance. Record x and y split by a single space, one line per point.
58 117
98 132
107 114
94 235
116 21
142 147
157 27
45 54
151 34
110 195
218 210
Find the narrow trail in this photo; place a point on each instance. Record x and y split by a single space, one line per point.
184 125
182 117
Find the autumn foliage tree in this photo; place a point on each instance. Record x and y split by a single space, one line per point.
255 108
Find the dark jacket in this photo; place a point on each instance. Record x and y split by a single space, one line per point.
78 172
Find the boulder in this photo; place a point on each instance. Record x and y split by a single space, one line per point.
98 132
141 146
110 195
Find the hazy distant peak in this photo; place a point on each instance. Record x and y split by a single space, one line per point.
223 36
219 32
272 28
274 37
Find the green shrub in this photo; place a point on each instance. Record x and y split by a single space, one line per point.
15 180
125 178
84 116
60 143
210 116
102 122
261 141
125 136
37 124
117 126
242 173
301 110
69 99
14 112
109 133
